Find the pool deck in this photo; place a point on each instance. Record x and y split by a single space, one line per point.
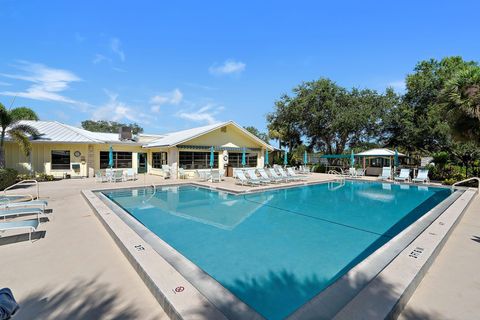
75 270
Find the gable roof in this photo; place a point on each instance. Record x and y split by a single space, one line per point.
53 131
178 137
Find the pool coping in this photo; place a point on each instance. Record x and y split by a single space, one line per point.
152 263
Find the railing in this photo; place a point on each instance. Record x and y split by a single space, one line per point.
24 182
338 175
466 180
152 195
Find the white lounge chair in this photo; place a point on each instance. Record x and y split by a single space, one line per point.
118 176
31 225
422 176
386 173
265 176
404 175
242 179
215 176
100 177
360 172
277 176
181 173
203 175
23 204
285 175
293 174
167 173
253 176
130 174
7 213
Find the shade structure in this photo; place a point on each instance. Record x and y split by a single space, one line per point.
266 158
352 159
110 157
305 157
212 156
285 158
396 158
244 160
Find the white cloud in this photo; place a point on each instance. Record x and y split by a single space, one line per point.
116 110
228 67
173 97
98 58
5 83
115 45
397 85
206 114
47 83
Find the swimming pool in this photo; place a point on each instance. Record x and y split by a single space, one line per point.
275 250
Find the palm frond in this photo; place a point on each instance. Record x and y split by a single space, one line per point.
26 129
22 140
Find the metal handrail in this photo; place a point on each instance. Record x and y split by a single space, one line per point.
152 195
24 182
466 180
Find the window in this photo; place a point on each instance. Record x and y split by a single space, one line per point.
235 159
120 159
60 159
158 159
196 160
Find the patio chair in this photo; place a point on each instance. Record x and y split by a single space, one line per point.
360 172
265 176
181 173
130 174
118 176
166 171
214 176
253 176
203 175
7 213
422 176
242 179
31 225
285 175
351 173
293 174
404 175
386 173
100 177
277 176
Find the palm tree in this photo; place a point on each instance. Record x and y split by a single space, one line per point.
461 96
10 123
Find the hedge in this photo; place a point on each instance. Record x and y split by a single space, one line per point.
7 177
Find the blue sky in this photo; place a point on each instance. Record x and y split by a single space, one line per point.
175 65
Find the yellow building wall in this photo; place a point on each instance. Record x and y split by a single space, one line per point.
41 157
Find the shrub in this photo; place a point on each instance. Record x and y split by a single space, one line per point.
7 177
45 177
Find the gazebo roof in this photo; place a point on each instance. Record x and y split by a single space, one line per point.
381 152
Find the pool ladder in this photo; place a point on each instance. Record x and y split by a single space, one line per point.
153 194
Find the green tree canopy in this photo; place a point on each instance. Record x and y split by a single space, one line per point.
330 117
109 126
261 135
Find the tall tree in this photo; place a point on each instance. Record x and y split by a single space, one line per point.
461 98
109 126
18 132
331 117
283 122
261 135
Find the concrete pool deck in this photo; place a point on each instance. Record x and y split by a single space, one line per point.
68 273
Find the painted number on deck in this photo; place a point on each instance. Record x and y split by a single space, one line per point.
178 289
139 247
416 252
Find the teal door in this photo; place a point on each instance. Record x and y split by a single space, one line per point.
142 163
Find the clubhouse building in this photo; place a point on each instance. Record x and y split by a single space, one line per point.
65 151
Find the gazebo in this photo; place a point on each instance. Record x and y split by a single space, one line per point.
374 159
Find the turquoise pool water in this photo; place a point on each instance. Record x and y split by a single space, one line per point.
276 250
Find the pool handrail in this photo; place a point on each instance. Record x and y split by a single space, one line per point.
466 180
24 182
